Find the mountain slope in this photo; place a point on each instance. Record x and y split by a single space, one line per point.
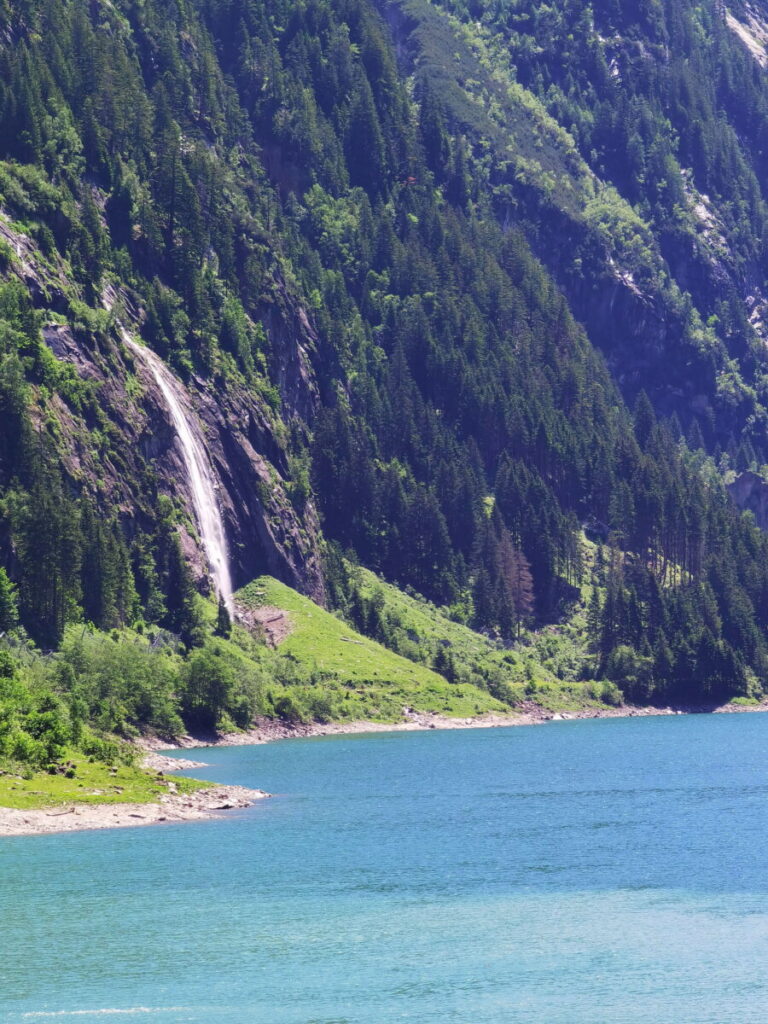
387 250
627 137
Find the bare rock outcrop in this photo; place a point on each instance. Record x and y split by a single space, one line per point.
265 532
123 446
750 492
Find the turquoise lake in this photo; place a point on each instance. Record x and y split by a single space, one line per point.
592 872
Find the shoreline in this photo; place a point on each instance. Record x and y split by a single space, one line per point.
212 802
203 805
268 730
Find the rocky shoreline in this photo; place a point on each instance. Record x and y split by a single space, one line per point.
267 730
199 806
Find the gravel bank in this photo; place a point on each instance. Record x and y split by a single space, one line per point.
204 804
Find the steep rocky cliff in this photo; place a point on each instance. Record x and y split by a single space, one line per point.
750 492
134 451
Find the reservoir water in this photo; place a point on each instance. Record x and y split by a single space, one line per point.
596 872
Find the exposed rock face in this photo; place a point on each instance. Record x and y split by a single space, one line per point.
139 452
25 255
750 492
752 30
292 341
264 530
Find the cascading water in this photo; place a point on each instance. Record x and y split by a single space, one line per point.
199 470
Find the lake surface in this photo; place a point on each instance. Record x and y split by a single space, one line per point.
596 872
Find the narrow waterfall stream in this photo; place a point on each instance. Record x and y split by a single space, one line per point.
199 469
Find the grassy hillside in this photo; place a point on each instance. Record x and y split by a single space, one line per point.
550 666
428 627
361 677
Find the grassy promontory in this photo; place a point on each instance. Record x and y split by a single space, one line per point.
69 719
81 780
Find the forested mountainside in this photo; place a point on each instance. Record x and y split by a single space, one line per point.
472 294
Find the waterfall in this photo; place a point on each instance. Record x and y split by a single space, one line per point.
199 470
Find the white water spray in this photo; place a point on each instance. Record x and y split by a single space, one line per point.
199 469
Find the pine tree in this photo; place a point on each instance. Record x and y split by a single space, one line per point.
434 136
484 602
47 529
9 605
594 621
183 616
517 581
365 143
223 619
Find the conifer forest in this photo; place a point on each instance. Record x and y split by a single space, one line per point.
465 306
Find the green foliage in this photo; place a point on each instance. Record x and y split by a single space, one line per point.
87 781
390 266
220 690
34 724
357 676
121 683
9 610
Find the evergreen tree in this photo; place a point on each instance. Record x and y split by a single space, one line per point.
223 620
9 609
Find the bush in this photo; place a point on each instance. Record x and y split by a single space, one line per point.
122 681
209 686
632 672
287 709
611 694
